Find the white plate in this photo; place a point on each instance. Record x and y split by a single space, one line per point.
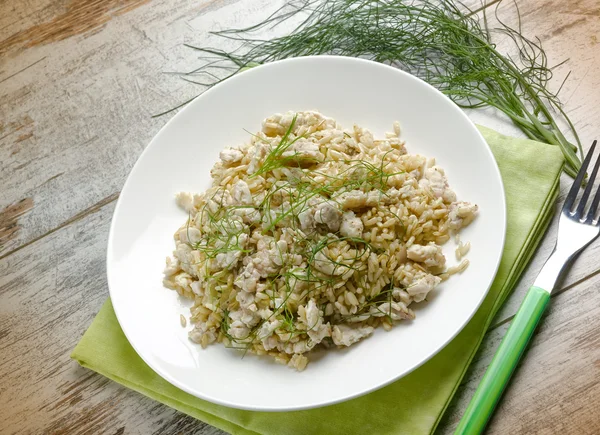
179 159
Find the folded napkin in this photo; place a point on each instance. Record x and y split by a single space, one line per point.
414 404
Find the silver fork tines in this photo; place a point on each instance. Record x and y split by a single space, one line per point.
578 212
575 230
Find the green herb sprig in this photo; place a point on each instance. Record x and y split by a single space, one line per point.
440 41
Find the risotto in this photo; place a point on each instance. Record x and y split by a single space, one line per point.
312 236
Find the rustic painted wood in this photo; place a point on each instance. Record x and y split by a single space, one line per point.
76 113
51 290
556 388
79 81
567 30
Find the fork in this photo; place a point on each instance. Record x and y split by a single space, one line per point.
576 230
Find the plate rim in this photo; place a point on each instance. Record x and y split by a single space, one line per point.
318 403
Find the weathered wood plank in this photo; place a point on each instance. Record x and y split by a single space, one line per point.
556 388
49 293
63 21
552 21
566 31
75 111
74 116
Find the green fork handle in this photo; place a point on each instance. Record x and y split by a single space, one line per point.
502 366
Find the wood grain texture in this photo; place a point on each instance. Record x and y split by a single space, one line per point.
49 293
79 16
79 81
9 218
551 20
556 388
76 114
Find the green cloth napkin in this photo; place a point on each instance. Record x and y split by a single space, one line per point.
412 405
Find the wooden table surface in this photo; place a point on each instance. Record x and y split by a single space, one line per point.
79 81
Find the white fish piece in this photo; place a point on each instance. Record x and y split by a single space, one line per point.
329 214
249 215
312 318
185 200
248 279
396 310
230 258
200 330
307 220
245 316
258 151
189 234
357 199
231 156
298 362
245 299
227 260
271 342
430 255
304 151
353 200
264 264
324 264
183 280
401 295
344 335
278 124
299 347
172 266
461 214
197 288
267 328
279 253
238 330
351 226
241 193
421 287
435 179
